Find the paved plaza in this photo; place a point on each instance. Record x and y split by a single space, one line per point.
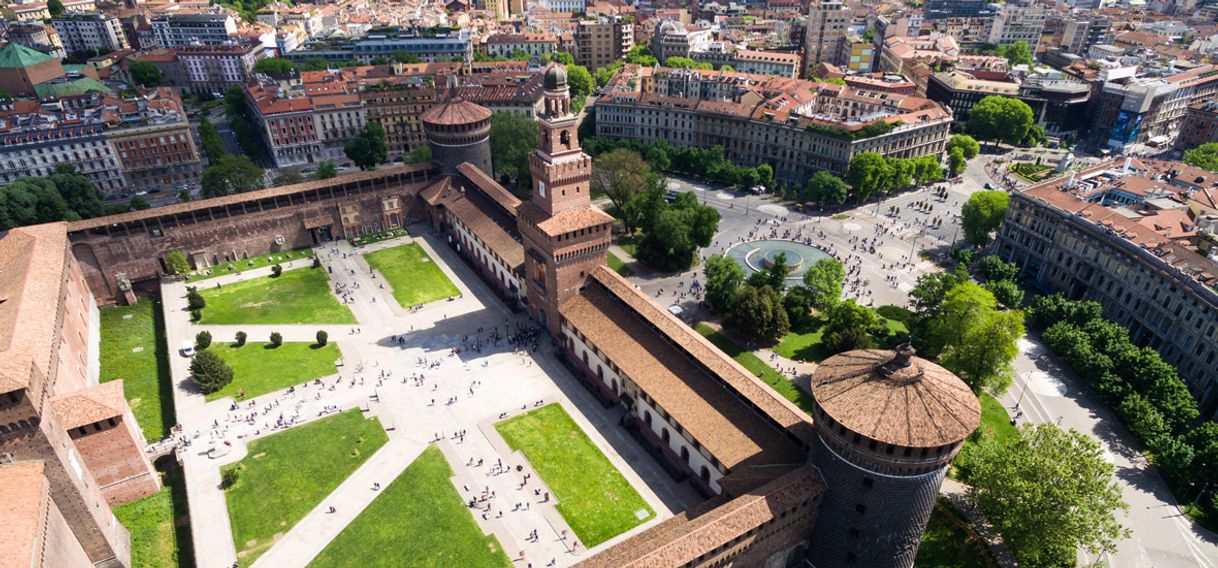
400 366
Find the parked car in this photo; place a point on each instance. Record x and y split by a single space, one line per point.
188 349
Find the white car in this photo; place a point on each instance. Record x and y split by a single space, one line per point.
188 349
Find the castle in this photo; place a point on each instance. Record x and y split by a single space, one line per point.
852 485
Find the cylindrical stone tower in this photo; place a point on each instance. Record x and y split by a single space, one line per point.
459 131
887 424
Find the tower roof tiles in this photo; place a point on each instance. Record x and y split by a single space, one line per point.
455 111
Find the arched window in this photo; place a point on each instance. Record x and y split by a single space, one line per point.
685 454
664 434
705 474
565 138
647 418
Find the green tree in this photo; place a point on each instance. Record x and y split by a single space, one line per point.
1204 440
869 174
403 57
1048 492
850 326
176 264
240 338
982 214
666 243
138 203
213 144
1007 292
824 281
963 306
55 7
420 154
274 66
1203 156
724 277
1017 53
230 174
513 137
620 174
580 81
322 338
276 339
368 148
798 304
202 340
641 55
966 144
983 359
209 372
325 170
825 189
994 268
563 58
758 315
146 74
1000 119
956 161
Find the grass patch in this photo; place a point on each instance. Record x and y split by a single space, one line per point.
301 295
593 496
260 261
377 237
807 344
945 545
617 265
779 382
414 276
287 474
418 521
1030 171
840 217
995 427
630 244
145 374
158 523
259 368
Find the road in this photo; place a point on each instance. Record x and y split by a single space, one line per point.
1162 537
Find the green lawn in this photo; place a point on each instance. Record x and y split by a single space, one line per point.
377 237
593 497
251 263
807 344
414 276
945 545
418 521
617 265
629 244
133 349
779 382
301 295
287 474
260 369
995 426
156 539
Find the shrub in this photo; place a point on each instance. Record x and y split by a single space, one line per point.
276 339
228 477
848 339
240 338
202 340
322 337
276 271
176 263
194 300
196 315
316 262
210 372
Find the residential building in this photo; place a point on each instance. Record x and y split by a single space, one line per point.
430 45
97 32
173 30
943 9
602 40
1200 125
1059 105
674 39
786 64
1017 21
211 68
1082 33
797 127
566 6
857 55
37 36
970 33
122 145
535 45
826 29
900 54
1121 236
1142 112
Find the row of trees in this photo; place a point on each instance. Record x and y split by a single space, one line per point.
65 195
1147 393
704 163
871 174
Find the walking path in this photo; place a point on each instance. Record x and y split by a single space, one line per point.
399 364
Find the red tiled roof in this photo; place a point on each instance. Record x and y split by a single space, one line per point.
23 496
89 405
455 111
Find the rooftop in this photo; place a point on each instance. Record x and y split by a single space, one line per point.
23 494
90 405
32 265
15 55
455 111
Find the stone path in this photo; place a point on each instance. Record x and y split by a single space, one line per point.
376 376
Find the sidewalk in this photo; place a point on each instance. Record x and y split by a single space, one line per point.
957 494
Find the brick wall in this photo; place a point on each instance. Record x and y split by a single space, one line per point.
60 547
114 453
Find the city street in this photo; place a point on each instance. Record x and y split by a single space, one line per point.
1162 536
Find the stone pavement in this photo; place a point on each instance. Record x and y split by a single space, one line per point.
400 366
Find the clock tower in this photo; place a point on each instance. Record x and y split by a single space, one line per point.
564 235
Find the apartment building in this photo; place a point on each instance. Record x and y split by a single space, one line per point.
535 45
943 9
430 45
173 30
211 68
826 29
1119 236
1017 21
602 40
1134 113
798 127
98 32
1058 105
37 36
1080 34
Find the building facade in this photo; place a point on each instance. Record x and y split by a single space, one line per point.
211 68
98 32
1082 33
1017 21
1200 125
1141 111
602 40
826 29
173 30
1058 105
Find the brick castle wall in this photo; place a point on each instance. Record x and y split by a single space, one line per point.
115 455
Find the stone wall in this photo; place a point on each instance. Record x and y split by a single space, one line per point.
72 371
115 456
60 548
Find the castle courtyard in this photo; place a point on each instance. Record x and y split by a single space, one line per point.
441 374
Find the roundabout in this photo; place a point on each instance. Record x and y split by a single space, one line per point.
760 255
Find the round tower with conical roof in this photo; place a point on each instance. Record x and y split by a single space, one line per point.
888 424
458 131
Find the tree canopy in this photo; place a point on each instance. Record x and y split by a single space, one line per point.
1001 119
325 170
230 174
213 144
1203 156
824 188
274 66
724 277
65 195
1017 53
982 214
145 73
580 82
1048 492
620 174
209 372
513 138
758 314
966 144
368 148
672 233
824 281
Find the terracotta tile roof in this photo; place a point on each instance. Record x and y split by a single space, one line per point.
32 264
573 220
1171 223
456 110
919 406
489 187
662 355
438 191
681 540
89 405
203 204
496 229
23 492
